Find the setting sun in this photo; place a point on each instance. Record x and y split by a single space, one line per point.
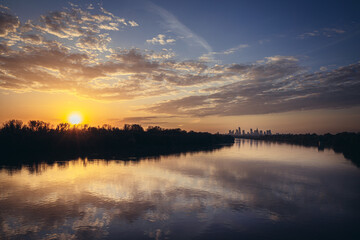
179 119
75 118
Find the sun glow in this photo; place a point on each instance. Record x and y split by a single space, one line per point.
75 118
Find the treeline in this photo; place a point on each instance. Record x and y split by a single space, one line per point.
346 143
37 139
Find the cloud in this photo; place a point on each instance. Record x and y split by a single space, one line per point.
94 42
160 39
327 32
273 84
8 23
164 54
180 29
323 68
127 74
30 62
234 49
4 7
209 57
4 48
34 39
60 24
133 23
334 30
277 85
27 27
148 120
83 26
86 30
110 27
84 65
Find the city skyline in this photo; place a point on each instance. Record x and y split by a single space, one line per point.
202 66
252 132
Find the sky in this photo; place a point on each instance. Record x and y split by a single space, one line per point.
197 65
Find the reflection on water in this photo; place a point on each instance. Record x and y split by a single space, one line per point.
253 190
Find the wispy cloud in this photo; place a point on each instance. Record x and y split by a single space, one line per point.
327 32
147 120
209 57
179 28
234 49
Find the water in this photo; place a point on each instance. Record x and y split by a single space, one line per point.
251 190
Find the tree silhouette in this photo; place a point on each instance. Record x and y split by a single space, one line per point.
38 138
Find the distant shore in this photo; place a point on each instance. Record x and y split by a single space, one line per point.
346 143
37 140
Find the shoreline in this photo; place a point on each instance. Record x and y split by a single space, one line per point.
346 143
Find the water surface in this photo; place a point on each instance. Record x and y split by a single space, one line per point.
251 190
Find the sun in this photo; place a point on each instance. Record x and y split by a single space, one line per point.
75 118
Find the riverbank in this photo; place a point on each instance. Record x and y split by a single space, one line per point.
19 142
346 143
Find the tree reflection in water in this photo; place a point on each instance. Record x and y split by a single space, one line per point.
252 190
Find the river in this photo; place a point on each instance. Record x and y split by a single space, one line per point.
250 190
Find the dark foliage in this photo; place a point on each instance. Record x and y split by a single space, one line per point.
37 140
346 143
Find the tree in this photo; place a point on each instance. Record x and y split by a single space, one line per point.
136 128
13 125
63 127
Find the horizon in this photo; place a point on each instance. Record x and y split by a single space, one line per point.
233 132
208 67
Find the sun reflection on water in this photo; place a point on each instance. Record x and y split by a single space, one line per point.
239 185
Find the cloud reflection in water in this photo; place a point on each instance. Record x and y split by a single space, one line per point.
252 190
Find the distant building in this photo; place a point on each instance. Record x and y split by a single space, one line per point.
256 132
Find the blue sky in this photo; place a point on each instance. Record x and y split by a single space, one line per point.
186 60
319 33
